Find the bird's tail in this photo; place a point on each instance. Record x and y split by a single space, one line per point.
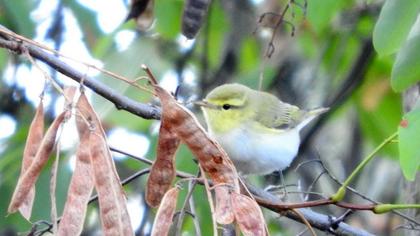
310 115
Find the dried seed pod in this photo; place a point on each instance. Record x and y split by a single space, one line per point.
223 212
69 93
30 176
163 169
212 158
81 186
215 163
165 214
248 215
194 13
112 202
36 131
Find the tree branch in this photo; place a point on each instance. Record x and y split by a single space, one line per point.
121 102
322 222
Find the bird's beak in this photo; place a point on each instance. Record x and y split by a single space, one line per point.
205 104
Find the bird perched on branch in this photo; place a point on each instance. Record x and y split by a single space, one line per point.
259 132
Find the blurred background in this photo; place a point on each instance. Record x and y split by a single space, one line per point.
322 56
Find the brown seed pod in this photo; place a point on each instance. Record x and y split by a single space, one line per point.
36 131
30 176
112 203
165 214
230 204
81 186
212 158
68 92
248 215
223 212
162 172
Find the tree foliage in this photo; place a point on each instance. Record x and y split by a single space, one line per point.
314 53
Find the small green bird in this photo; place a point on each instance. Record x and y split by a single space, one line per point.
259 132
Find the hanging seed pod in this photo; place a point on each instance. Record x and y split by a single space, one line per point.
165 214
248 215
36 131
81 185
195 12
30 176
112 202
212 158
163 169
223 212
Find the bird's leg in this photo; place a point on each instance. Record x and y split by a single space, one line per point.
275 187
283 183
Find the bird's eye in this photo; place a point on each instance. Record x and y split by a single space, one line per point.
226 107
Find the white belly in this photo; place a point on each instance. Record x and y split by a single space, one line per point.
253 153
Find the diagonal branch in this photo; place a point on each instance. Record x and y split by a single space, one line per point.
121 102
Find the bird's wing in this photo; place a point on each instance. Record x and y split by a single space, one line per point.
278 114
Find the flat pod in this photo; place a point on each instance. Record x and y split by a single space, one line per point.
248 215
163 170
165 214
35 134
81 185
212 158
30 176
112 202
223 212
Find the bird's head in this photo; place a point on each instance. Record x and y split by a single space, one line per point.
226 107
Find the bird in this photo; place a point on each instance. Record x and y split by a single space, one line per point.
258 131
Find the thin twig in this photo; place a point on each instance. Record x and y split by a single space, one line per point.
270 49
142 159
313 184
191 203
53 183
354 191
210 199
339 195
341 218
305 222
151 77
180 220
44 73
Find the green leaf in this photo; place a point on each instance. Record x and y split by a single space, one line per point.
405 71
394 24
409 143
168 18
249 55
16 16
322 12
379 109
